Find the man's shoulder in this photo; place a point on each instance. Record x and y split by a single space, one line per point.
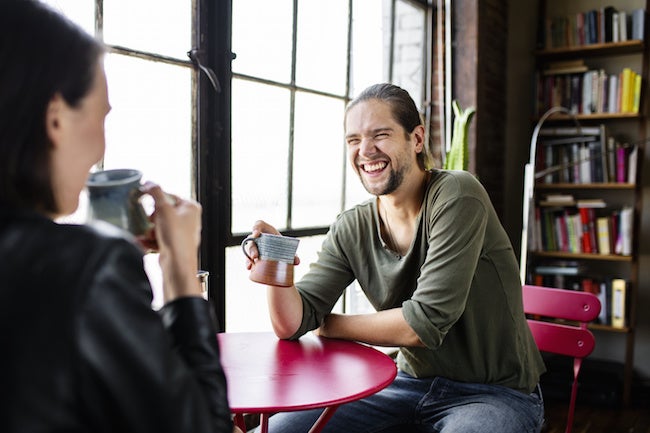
456 182
362 212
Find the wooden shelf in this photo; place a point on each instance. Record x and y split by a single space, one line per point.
582 256
563 186
594 117
592 50
607 328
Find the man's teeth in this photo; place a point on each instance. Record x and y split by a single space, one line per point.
374 167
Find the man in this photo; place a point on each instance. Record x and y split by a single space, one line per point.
433 259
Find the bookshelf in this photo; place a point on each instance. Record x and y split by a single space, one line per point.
582 195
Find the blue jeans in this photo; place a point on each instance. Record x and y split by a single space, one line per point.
427 406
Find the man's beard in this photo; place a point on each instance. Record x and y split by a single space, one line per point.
394 181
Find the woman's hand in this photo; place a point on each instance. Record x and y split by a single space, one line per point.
177 225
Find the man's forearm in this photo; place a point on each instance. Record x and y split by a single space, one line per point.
384 328
285 310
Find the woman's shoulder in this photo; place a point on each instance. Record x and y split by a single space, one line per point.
35 233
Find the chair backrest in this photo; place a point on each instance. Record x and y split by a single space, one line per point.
545 305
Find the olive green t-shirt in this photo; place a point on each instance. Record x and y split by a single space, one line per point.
458 284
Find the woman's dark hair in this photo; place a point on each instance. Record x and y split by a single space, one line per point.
41 54
404 110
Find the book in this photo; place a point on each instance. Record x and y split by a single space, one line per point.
602 225
570 130
560 267
591 203
621 164
603 317
608 19
638 21
625 230
636 93
622 26
586 218
574 231
618 302
632 165
562 70
611 159
626 89
612 107
558 200
615 27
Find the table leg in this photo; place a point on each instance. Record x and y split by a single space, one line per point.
323 418
239 421
264 423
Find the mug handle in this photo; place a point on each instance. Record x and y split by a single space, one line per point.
243 247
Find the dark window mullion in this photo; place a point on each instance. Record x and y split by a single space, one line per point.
99 19
348 74
292 109
391 49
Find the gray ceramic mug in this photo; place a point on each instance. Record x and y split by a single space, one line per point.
276 255
114 197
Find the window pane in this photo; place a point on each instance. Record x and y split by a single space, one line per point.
370 44
321 61
150 25
260 155
318 160
149 126
81 12
261 38
408 63
246 307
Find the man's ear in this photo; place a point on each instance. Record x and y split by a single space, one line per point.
54 120
418 136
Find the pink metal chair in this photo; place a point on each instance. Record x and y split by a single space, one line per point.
568 339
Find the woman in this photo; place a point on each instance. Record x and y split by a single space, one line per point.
82 350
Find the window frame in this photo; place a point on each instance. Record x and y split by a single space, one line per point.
233 239
211 64
214 133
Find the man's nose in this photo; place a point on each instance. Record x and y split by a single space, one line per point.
367 147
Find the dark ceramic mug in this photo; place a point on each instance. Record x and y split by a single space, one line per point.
114 197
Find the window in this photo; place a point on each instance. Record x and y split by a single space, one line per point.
297 65
270 144
150 82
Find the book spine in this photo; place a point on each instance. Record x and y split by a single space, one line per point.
626 221
586 238
621 173
636 94
618 303
602 224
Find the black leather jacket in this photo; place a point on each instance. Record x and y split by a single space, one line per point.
81 350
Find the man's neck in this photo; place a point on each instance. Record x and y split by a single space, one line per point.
405 202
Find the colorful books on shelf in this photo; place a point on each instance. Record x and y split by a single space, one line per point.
585 90
572 155
584 155
572 275
595 26
582 227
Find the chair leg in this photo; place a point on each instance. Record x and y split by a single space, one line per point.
574 393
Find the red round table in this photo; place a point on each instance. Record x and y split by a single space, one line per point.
268 375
